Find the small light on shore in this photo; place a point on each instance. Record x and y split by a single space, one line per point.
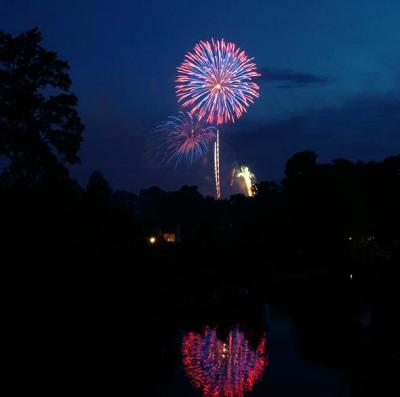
152 240
351 276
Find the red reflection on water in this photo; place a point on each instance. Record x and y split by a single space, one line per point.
223 368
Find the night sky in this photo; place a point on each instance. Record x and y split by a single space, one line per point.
331 77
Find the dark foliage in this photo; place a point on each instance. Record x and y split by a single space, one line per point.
39 125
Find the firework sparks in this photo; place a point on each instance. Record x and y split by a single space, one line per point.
183 139
248 178
214 84
215 81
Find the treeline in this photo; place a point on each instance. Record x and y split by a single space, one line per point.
319 216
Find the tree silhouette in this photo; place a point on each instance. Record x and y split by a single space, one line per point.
98 189
39 126
300 163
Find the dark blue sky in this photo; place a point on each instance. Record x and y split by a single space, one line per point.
331 77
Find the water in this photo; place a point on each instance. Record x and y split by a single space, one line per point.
258 353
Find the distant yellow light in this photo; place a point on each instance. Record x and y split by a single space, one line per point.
218 86
169 237
152 240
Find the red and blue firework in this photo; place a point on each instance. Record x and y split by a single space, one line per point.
183 139
215 81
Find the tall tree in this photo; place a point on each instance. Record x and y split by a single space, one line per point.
301 164
98 189
40 129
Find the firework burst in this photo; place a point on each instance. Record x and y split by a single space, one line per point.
182 139
215 81
248 178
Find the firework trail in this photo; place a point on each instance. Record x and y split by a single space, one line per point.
216 167
233 174
214 83
248 178
182 139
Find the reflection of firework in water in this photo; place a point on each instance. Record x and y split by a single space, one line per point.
223 368
183 139
214 81
248 178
